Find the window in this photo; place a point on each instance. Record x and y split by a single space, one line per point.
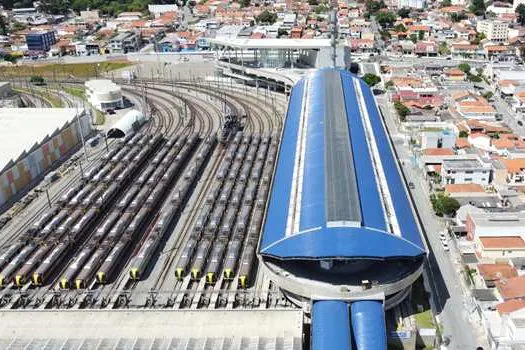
467 179
469 172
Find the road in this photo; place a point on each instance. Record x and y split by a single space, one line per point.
444 275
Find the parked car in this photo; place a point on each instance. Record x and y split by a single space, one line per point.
411 186
443 236
445 245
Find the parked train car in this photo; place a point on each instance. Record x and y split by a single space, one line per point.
83 225
77 199
250 193
241 224
141 260
139 200
43 219
246 265
9 253
137 222
99 176
202 219
185 258
155 195
88 270
228 223
145 175
103 229
128 197
130 156
225 193
112 261
231 259
110 154
117 158
70 193
215 261
9 270
50 264
200 259
74 267
107 196
67 224
52 225
159 156
92 196
118 229
24 273
214 221
88 174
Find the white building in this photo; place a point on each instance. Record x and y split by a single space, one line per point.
465 171
289 20
417 4
438 139
103 94
497 31
158 10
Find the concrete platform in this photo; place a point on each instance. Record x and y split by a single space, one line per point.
149 324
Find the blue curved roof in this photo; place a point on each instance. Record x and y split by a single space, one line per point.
368 325
326 200
331 325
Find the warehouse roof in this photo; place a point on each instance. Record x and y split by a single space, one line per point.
273 43
334 171
21 129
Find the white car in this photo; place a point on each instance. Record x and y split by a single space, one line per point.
445 246
443 236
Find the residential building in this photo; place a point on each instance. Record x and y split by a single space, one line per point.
509 172
463 50
159 10
40 41
445 139
418 4
125 42
465 171
494 30
426 48
454 74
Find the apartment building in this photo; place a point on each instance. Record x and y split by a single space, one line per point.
465 171
125 42
497 31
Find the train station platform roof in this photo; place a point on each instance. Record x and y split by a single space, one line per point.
337 192
272 43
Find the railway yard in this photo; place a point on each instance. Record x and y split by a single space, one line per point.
167 217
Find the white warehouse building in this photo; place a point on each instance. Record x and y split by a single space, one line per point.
103 94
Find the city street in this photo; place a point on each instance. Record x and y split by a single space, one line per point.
443 275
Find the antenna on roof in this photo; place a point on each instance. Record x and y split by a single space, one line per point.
333 30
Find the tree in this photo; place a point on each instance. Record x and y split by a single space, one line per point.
55 7
244 3
3 25
464 67
313 2
373 6
371 79
443 48
444 205
520 13
420 35
463 133
37 80
488 95
389 84
456 17
400 28
478 38
403 12
445 3
477 7
282 32
385 19
474 78
413 37
401 110
267 17
322 8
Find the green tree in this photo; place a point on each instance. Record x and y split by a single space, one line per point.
474 78
267 17
443 204
420 35
3 26
464 67
282 32
445 3
402 110
55 7
373 6
463 133
244 3
456 17
478 38
443 48
413 37
403 12
313 2
16 26
477 7
488 95
37 80
389 84
385 19
371 79
322 8
400 28
520 13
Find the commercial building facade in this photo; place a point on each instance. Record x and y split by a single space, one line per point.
497 31
40 41
103 94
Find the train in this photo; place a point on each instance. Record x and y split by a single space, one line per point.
215 261
185 258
